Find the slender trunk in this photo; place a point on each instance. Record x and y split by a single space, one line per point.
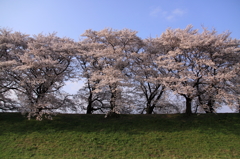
188 106
113 97
200 102
113 100
238 102
196 109
210 108
113 89
89 107
39 109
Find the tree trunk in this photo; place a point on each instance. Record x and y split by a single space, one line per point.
113 96
113 100
89 107
188 106
196 109
149 109
210 108
39 110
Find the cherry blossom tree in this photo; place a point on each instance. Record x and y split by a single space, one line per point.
36 68
46 64
12 45
233 86
145 76
120 71
88 64
196 64
111 51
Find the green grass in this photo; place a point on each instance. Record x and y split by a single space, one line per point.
128 136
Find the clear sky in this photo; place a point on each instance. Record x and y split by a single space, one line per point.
71 18
149 17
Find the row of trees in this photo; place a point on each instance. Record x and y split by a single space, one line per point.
122 72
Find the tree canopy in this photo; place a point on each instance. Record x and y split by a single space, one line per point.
122 72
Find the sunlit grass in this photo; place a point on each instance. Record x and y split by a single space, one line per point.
128 136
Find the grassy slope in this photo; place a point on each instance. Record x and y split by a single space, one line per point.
128 136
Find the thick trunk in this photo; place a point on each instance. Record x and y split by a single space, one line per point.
39 110
188 106
89 108
149 110
150 107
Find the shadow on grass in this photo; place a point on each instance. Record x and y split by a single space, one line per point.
130 124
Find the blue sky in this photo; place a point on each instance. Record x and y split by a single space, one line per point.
71 18
149 17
